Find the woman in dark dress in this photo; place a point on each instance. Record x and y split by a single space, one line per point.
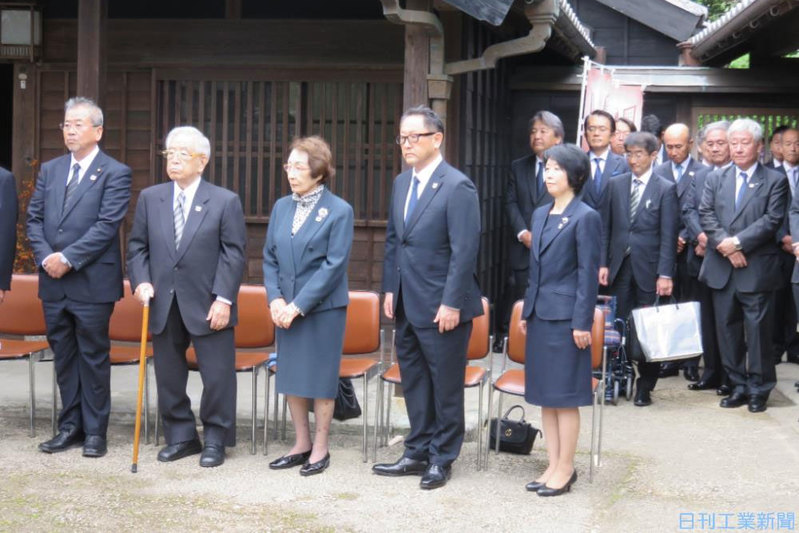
305 273
558 312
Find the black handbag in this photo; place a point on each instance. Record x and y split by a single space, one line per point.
515 436
347 405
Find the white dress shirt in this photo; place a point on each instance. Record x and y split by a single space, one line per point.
423 176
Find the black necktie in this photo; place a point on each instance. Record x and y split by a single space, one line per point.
73 184
539 179
598 175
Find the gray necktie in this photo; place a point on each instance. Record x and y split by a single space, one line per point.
794 179
73 183
635 198
178 216
678 168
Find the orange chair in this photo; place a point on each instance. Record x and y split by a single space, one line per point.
362 336
479 348
254 332
598 357
510 381
21 315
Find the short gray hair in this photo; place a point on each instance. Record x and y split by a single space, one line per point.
95 113
718 125
747 125
199 142
548 119
642 139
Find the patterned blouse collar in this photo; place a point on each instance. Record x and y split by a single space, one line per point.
309 199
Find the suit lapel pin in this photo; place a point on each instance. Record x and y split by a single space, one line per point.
198 208
691 173
93 178
648 203
321 214
434 186
753 185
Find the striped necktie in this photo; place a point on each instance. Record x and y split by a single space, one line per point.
635 198
180 222
73 183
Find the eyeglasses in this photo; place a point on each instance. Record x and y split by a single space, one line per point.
77 126
594 129
413 138
183 155
298 167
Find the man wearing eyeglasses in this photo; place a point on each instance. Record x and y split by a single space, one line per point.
430 286
598 127
73 220
186 254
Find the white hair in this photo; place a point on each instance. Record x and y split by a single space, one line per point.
95 113
199 143
747 125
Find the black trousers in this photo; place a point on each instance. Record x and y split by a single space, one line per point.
686 289
784 335
216 357
714 372
749 313
514 289
433 366
78 334
629 295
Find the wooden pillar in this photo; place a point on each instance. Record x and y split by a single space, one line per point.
23 150
417 60
91 48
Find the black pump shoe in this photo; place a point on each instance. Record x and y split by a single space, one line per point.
311 469
549 491
289 461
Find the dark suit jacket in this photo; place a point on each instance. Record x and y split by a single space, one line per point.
86 231
522 197
794 225
755 222
9 209
652 236
684 194
208 263
614 166
433 260
691 218
563 269
311 268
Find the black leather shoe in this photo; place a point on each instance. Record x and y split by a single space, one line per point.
213 455
642 398
757 404
723 390
701 385
173 452
736 399
66 439
435 476
549 491
691 373
668 370
533 486
94 446
404 467
311 469
499 345
290 461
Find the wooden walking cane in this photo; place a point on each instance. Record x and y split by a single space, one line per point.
142 369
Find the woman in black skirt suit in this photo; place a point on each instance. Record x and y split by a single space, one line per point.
305 273
558 312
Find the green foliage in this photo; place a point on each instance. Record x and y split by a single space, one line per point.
742 62
716 8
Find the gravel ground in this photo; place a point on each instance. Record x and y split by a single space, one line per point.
678 458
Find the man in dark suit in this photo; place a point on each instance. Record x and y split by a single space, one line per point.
186 252
8 229
639 241
432 240
681 169
526 192
785 338
599 127
775 147
742 208
73 221
652 124
713 375
714 146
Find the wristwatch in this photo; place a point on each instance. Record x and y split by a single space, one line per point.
737 243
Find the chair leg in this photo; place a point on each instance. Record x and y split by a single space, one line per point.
365 414
32 392
253 447
378 412
53 417
266 409
157 421
277 403
387 427
593 436
496 434
480 426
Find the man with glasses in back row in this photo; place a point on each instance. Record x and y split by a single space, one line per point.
73 220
